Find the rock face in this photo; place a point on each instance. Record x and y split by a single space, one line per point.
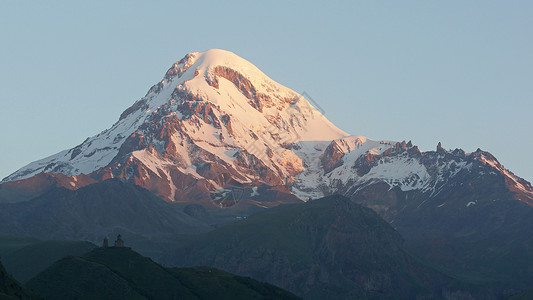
350 164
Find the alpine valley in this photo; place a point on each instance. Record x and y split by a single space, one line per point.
215 153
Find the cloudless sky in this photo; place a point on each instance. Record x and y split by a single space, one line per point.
458 72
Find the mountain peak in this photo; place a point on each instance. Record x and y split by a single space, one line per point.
208 60
218 57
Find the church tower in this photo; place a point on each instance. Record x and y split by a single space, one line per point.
119 242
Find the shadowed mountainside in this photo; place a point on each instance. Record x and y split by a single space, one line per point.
95 211
327 248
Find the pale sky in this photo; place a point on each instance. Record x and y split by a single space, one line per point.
458 72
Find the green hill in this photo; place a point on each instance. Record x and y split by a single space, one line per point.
120 273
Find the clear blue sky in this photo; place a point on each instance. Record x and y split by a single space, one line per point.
458 72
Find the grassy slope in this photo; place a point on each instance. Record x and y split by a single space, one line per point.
120 273
77 278
210 283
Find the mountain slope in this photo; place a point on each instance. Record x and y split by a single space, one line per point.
120 273
96 211
466 221
328 248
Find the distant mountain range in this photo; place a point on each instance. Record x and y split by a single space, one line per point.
217 141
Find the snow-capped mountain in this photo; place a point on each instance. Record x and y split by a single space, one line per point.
216 122
350 164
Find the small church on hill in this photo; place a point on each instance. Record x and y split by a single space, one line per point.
119 243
